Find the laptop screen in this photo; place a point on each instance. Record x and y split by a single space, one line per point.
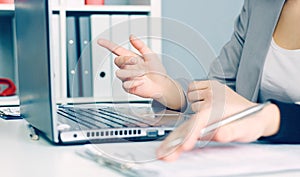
33 52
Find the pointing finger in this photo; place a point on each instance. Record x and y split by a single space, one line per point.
120 61
115 48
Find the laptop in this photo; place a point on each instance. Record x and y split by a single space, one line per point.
71 124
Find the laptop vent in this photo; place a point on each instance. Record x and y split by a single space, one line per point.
108 133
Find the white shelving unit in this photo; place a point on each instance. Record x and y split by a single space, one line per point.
7 7
7 53
110 8
150 7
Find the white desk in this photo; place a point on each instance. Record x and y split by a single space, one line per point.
21 157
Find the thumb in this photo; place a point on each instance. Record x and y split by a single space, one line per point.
140 45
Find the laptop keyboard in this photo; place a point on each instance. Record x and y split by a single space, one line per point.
103 118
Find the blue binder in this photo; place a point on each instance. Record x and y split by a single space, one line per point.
72 58
85 61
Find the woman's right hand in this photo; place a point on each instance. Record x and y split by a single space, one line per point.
144 75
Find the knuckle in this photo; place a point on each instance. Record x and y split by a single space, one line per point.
125 88
117 72
190 96
197 107
193 107
205 104
208 94
197 95
116 60
127 67
214 82
127 85
194 85
124 85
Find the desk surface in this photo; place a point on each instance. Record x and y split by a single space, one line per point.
21 157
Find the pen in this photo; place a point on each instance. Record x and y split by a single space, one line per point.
214 126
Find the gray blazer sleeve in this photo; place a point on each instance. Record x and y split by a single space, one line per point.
225 67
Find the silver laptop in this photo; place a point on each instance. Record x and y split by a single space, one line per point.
71 124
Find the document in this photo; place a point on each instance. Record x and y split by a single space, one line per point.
207 159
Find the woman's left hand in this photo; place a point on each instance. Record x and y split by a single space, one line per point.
213 101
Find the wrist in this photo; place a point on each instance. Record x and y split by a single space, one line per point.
172 95
271 115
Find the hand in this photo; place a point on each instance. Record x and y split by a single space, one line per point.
184 138
144 75
212 94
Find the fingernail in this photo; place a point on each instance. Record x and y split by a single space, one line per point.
101 41
132 36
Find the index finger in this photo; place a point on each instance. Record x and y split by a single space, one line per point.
115 48
183 138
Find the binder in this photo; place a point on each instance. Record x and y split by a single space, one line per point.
56 54
139 28
6 1
72 58
117 2
120 35
155 33
85 62
101 57
94 2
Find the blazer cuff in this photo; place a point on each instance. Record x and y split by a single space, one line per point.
289 129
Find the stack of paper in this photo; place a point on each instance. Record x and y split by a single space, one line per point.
213 159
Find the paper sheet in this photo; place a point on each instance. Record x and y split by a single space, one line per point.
213 160
12 112
231 160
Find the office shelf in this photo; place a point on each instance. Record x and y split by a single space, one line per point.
9 101
111 8
10 8
62 10
7 9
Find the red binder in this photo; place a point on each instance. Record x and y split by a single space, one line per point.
6 1
93 2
